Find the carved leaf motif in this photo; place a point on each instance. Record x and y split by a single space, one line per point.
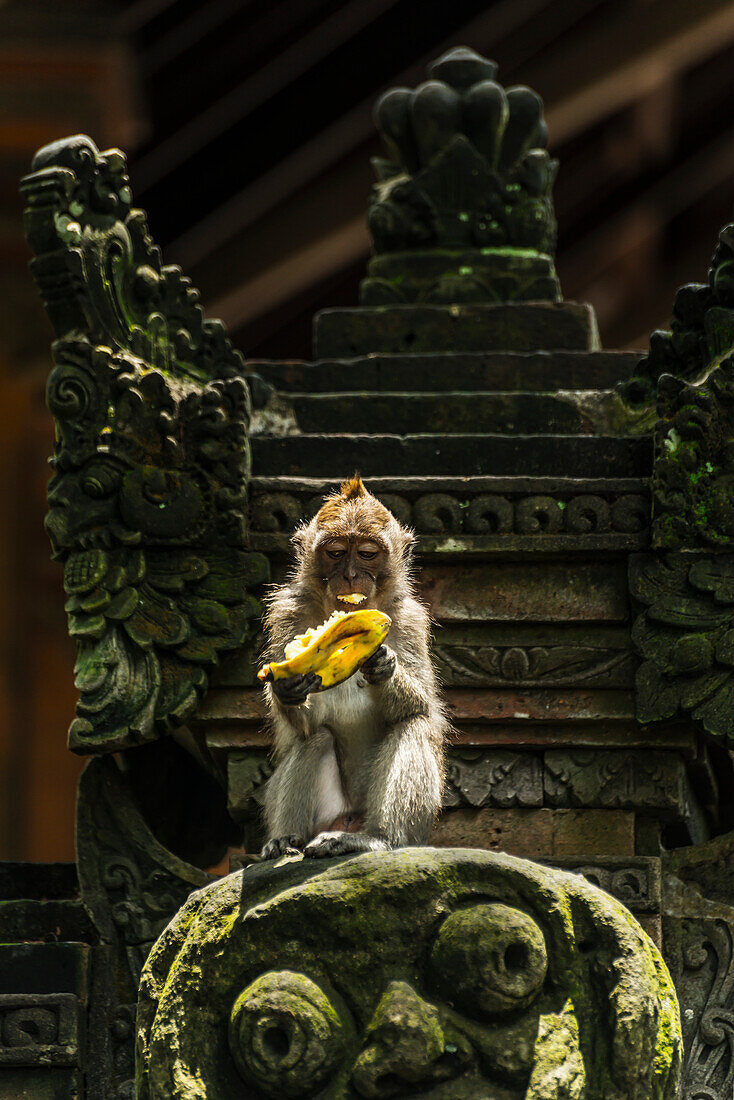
532 665
685 635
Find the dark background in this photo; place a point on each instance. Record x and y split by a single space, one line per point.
248 129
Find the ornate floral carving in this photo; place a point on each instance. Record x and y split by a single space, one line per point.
463 209
635 881
615 779
493 777
531 666
147 501
704 973
685 636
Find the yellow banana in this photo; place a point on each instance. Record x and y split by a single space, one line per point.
333 650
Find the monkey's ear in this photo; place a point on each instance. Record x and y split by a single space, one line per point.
300 538
353 488
407 542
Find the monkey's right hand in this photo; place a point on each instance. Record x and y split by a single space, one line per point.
292 691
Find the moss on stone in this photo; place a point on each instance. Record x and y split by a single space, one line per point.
420 967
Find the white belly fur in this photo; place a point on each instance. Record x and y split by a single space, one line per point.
351 716
349 712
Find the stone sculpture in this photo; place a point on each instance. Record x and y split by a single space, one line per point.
463 210
456 974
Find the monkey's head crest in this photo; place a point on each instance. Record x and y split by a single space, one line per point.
353 511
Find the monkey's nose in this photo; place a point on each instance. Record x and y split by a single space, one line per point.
406 1045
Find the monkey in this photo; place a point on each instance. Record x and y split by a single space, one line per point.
366 754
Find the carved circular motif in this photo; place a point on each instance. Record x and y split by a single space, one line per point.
538 515
490 959
285 1035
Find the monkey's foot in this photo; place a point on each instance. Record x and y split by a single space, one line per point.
283 846
326 845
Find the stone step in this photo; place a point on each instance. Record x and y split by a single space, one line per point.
536 371
329 456
448 413
503 326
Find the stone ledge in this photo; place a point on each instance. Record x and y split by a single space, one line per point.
326 456
527 326
452 370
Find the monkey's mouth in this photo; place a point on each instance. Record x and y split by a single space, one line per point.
352 597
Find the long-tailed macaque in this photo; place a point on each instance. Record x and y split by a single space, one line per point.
360 765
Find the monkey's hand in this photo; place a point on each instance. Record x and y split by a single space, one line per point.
292 691
380 666
326 845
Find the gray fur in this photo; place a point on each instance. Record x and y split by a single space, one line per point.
387 737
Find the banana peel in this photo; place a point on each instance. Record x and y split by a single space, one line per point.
334 650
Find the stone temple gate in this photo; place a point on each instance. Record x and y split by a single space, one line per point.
575 516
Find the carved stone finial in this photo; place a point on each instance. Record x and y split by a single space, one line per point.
151 460
462 211
441 973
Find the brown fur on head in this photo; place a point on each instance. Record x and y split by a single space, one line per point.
351 517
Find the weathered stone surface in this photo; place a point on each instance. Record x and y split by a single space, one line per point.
538 833
701 335
44 968
500 655
528 592
472 506
475 516
537 656
465 705
392 330
450 275
375 975
449 413
419 454
28 920
39 1030
247 772
542 371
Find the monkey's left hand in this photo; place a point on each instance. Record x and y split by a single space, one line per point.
380 666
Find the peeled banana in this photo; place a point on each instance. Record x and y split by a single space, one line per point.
334 650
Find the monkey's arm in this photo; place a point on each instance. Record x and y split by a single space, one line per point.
405 692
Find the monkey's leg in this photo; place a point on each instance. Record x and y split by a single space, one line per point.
294 794
404 789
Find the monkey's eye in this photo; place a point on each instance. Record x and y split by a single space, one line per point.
368 554
336 553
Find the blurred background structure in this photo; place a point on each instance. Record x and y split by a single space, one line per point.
248 128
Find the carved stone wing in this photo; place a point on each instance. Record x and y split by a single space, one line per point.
151 459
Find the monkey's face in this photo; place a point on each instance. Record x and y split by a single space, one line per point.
351 566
